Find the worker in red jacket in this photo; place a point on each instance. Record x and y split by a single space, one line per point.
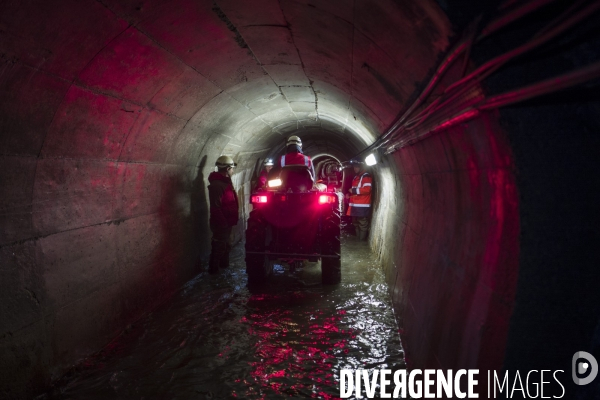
294 156
224 212
360 199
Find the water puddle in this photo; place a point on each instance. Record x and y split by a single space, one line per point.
216 339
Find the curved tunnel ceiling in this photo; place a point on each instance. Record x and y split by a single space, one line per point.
163 82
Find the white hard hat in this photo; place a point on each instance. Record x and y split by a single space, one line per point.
269 162
294 140
224 162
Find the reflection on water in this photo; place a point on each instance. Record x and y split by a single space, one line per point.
218 339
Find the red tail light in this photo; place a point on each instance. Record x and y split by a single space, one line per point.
259 199
325 199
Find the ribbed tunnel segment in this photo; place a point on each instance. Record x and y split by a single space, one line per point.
113 113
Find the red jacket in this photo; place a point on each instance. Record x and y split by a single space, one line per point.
360 198
298 159
224 208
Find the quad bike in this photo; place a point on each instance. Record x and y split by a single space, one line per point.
293 221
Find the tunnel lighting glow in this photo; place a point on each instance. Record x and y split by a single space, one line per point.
371 160
259 199
324 199
388 187
275 183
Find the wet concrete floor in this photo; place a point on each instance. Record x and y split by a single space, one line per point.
217 339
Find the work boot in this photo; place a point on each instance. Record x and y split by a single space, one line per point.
224 262
213 264
218 251
362 234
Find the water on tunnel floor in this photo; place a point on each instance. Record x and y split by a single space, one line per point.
218 339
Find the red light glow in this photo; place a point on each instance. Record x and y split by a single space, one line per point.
259 199
288 363
324 199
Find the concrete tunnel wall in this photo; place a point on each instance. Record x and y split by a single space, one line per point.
112 114
453 260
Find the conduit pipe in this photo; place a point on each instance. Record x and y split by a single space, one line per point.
450 59
466 87
472 110
493 65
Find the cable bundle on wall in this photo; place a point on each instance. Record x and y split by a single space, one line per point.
464 99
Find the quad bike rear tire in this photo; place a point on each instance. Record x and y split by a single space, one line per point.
258 266
331 267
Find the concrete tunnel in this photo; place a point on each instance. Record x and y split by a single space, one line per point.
112 114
